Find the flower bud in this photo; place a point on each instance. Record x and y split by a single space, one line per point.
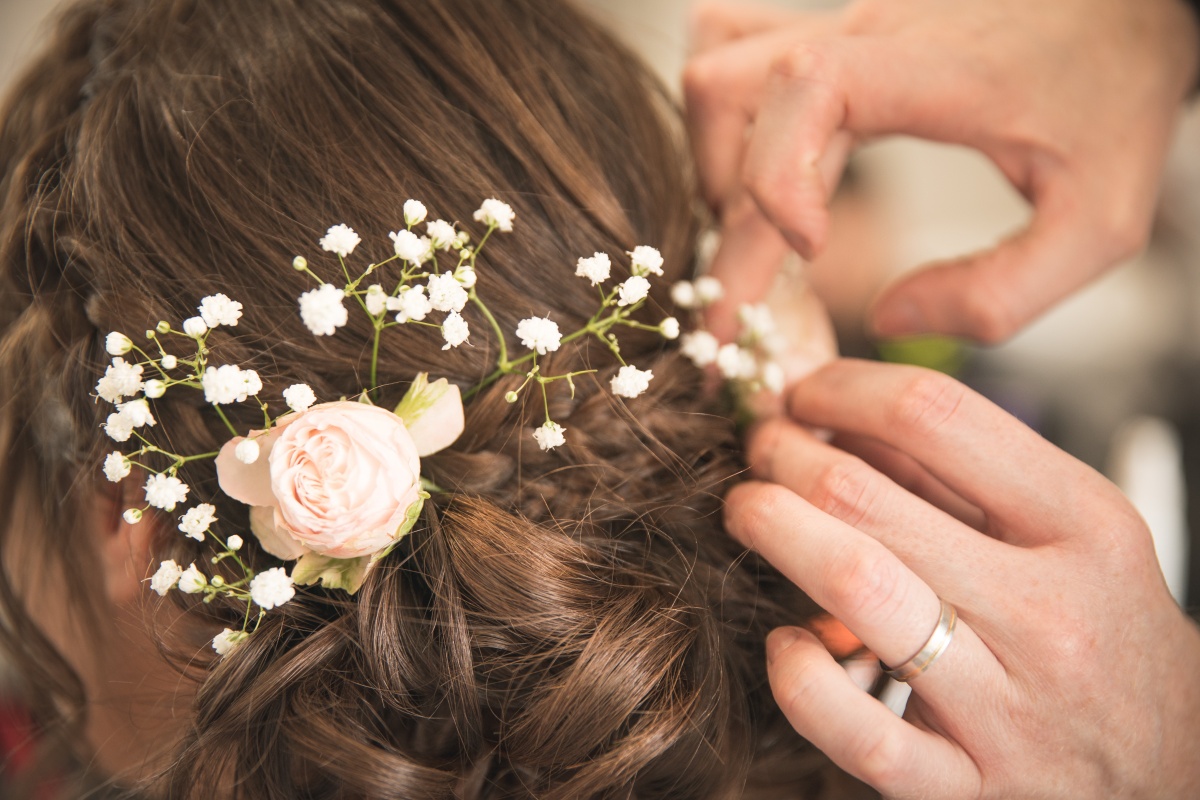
234 543
511 397
132 515
163 327
169 362
247 451
669 328
194 327
155 389
117 344
217 581
299 263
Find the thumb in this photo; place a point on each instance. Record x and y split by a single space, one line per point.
991 295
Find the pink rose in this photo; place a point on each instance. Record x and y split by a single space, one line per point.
335 480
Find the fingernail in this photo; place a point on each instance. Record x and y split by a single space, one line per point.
779 640
899 318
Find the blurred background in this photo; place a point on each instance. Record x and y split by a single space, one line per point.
1110 376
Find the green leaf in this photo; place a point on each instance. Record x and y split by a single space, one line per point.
332 573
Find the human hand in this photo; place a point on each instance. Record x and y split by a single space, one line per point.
1072 673
1074 101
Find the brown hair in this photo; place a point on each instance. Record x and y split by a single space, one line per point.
566 624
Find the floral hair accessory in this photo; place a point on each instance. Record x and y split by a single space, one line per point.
335 486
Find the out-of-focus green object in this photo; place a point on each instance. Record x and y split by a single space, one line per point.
942 353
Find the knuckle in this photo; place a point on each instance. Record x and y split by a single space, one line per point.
763 446
701 75
1124 231
928 402
864 583
846 489
803 61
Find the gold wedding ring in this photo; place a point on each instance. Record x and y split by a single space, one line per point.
937 643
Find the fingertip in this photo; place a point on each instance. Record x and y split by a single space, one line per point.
780 640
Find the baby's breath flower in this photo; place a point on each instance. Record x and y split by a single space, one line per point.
137 412
118 427
708 290
412 304
633 290
441 234
155 389
596 269
376 300
120 380
132 516
646 261
539 333
166 577
414 212
192 580
683 294
462 239
217 309
299 397
412 248
234 543
757 321
169 362
467 277
165 491
701 347
446 293
227 640
493 212
247 451
454 330
669 328
195 327
737 363
116 466
299 263
117 344
272 588
340 239
229 383
550 435
631 381
322 309
772 377
197 520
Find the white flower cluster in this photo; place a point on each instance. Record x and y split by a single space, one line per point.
750 361
125 384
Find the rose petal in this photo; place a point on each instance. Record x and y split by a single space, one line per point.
433 414
274 538
247 483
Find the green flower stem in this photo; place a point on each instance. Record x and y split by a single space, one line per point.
225 419
504 363
375 356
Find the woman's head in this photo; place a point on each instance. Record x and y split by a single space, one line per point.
568 623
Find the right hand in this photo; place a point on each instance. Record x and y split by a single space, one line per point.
1074 100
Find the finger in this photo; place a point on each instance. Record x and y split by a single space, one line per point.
847 488
865 585
722 88
1028 488
953 559
822 95
860 734
711 25
912 477
749 258
989 296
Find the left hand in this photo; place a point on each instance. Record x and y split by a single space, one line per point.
1072 672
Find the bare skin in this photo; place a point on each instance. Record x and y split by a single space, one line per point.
1074 100
1072 673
